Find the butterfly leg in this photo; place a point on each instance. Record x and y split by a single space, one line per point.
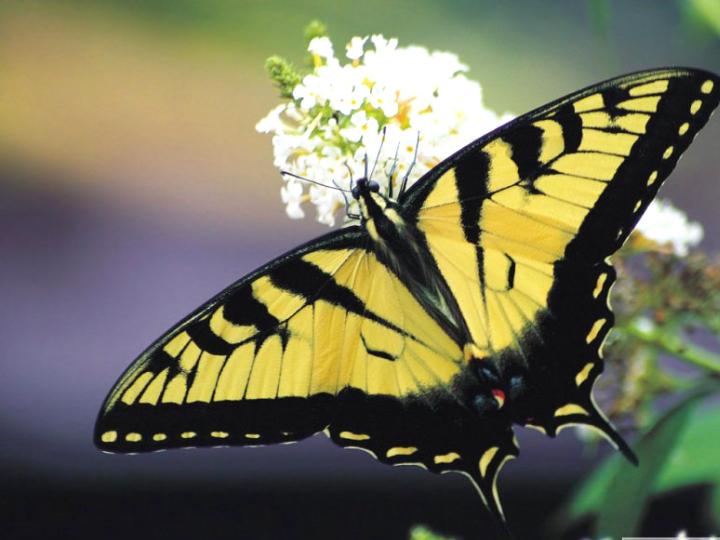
377 157
349 214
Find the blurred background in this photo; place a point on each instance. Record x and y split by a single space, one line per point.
133 186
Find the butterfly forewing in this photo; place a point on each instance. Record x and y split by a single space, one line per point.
264 362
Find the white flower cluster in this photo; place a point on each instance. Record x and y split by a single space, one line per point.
664 224
420 101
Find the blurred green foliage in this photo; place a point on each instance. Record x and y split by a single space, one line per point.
680 449
663 301
234 17
420 532
702 16
283 74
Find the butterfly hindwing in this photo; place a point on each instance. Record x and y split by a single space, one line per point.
434 430
520 223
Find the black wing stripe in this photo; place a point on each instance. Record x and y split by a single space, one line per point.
471 181
299 276
526 143
571 127
207 340
243 309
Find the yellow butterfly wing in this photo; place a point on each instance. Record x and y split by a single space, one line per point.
521 222
265 360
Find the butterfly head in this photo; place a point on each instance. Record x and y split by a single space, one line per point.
374 206
364 185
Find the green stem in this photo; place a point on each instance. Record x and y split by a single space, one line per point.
673 344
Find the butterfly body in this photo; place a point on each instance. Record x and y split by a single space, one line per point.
476 301
398 243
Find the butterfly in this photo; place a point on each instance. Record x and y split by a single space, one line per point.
474 301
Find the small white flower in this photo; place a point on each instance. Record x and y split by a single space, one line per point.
358 95
385 99
288 149
447 64
307 94
665 224
271 122
305 164
355 49
307 99
291 194
322 47
383 45
327 202
343 102
361 126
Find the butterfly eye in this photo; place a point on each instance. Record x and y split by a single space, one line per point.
356 192
374 186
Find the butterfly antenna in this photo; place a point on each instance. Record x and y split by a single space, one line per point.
392 171
366 164
377 157
287 173
412 164
350 175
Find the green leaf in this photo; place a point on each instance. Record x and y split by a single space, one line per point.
420 532
696 456
628 490
618 492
